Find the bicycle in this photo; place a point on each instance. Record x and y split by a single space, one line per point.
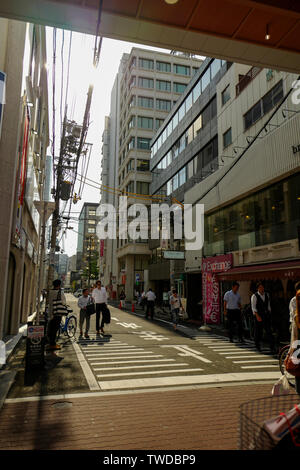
68 325
281 357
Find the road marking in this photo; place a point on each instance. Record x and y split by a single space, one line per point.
259 367
133 362
127 353
260 360
123 357
143 367
185 380
115 348
89 376
124 374
114 351
186 351
148 335
244 357
237 352
229 350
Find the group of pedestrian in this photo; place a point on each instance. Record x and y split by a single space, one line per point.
261 310
96 296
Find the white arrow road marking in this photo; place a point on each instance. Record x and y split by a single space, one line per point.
186 351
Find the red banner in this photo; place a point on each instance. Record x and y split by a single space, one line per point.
210 286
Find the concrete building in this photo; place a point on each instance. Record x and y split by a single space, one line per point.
149 84
23 146
252 203
87 242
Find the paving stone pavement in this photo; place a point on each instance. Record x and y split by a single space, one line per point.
193 419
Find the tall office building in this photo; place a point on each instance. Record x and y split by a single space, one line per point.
149 84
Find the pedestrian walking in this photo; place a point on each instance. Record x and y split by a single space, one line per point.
232 310
100 297
176 304
56 297
82 303
122 298
150 296
143 301
261 308
292 306
295 331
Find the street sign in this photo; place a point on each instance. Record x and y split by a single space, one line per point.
174 254
48 206
35 331
35 346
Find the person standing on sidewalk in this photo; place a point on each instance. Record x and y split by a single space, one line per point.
261 308
292 306
82 303
55 319
100 297
150 296
295 329
122 298
232 310
175 302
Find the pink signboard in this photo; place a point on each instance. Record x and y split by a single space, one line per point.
210 286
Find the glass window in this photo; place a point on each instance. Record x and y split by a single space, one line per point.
175 120
181 111
143 143
169 158
92 212
142 187
181 69
226 95
91 230
169 187
205 79
145 102
146 82
163 85
182 176
131 122
190 169
227 138
132 82
197 91
158 123
130 165
142 165
145 122
215 67
175 149
130 187
131 143
175 182
179 87
164 105
182 143
163 66
164 135
195 70
188 102
132 101
190 134
169 128
146 64
197 125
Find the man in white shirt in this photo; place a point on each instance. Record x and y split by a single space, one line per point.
150 296
232 310
82 303
99 295
261 308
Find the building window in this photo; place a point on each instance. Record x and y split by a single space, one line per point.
142 165
163 85
181 69
132 82
143 143
131 122
146 64
145 122
92 221
188 102
146 82
142 187
182 176
132 62
130 165
91 230
131 143
163 66
145 102
205 80
92 212
179 87
132 101
163 105
215 67
264 105
158 123
181 111
226 95
227 138
130 187
195 70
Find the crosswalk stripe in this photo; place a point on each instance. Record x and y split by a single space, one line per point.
188 379
244 357
108 351
154 361
237 352
137 351
121 357
259 367
124 374
143 367
260 360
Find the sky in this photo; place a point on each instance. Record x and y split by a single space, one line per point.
81 75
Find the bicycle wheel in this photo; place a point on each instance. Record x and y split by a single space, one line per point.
282 355
71 326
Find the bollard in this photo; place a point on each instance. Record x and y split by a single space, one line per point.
120 306
132 307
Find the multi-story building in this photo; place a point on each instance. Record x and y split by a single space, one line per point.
87 255
23 144
252 202
150 84
184 151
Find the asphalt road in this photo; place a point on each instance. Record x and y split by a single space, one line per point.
137 354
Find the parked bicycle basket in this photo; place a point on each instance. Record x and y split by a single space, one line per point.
271 423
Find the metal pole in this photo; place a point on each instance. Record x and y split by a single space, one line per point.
41 262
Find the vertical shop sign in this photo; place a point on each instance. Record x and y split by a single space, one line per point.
211 287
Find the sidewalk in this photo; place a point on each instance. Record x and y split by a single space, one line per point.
197 418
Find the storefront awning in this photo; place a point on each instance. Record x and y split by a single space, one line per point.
282 270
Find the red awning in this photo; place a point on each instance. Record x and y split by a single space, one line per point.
282 270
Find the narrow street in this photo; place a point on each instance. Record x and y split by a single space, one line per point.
140 377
